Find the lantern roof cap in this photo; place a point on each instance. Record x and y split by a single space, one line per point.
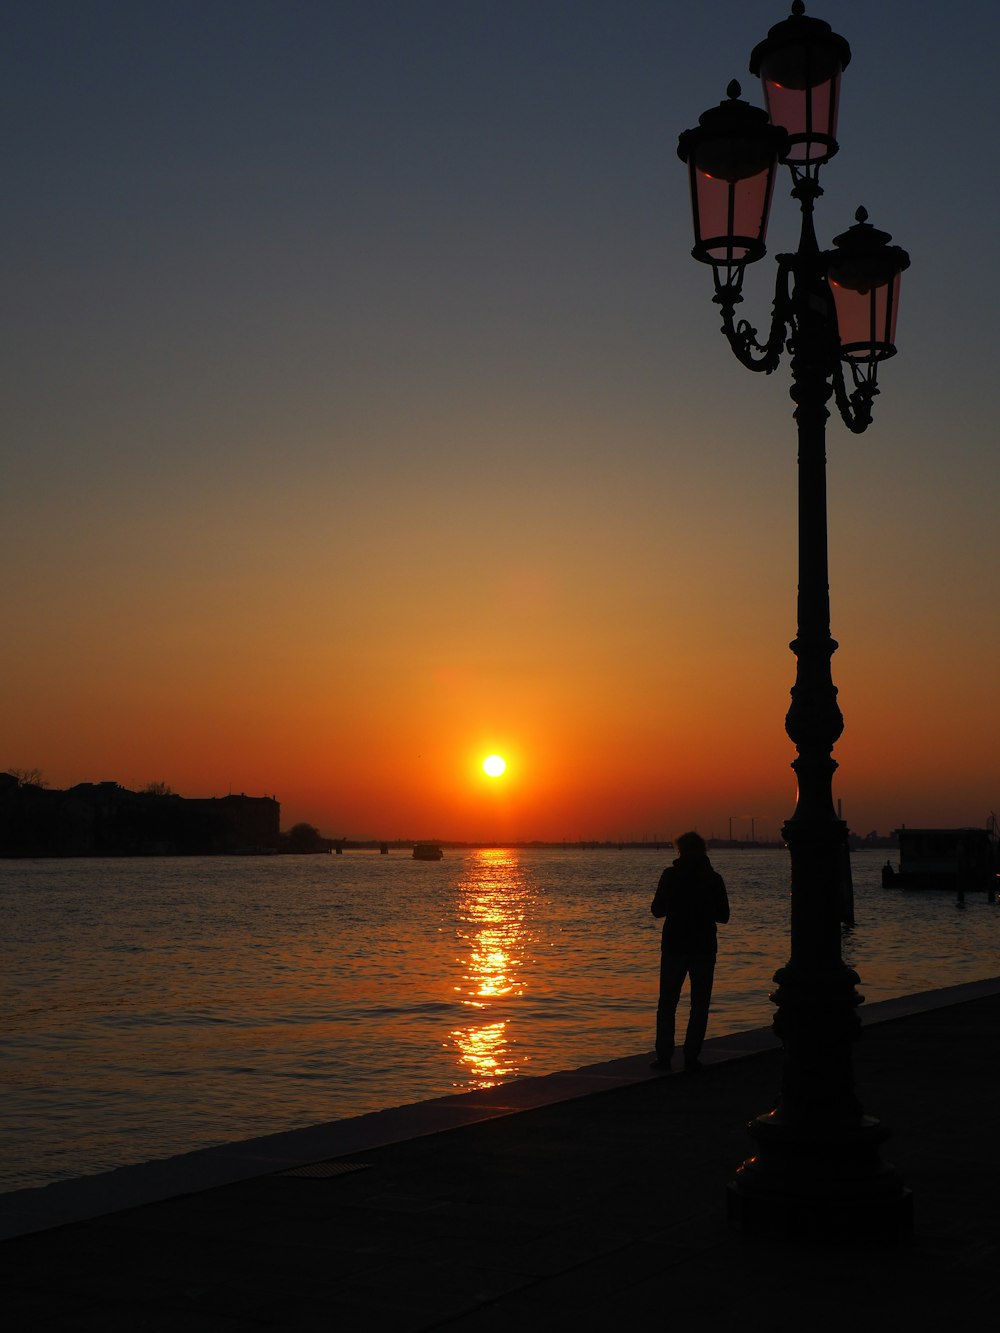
732 118
799 29
865 241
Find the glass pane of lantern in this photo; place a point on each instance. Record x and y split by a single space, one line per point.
802 91
733 204
866 318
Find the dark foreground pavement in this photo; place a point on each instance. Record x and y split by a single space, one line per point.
604 1212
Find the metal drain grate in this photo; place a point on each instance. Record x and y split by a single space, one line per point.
324 1170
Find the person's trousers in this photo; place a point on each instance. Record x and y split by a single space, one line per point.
674 967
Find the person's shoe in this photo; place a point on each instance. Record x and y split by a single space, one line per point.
662 1065
693 1066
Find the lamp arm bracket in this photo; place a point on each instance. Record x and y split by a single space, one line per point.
855 408
742 335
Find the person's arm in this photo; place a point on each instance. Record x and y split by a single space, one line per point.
659 903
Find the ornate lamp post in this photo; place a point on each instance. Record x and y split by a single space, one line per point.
817 1162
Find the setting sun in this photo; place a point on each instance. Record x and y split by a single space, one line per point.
494 765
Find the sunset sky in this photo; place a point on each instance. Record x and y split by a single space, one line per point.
365 414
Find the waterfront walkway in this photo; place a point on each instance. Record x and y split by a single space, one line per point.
593 1200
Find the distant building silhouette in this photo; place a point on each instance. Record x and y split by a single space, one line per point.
105 819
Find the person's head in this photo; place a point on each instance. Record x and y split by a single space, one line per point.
690 844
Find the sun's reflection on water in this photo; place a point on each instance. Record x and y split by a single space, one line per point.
493 896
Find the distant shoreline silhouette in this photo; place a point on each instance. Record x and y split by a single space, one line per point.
106 819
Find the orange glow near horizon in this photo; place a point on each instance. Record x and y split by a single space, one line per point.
665 714
598 763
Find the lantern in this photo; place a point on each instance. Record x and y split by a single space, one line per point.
731 157
800 63
863 273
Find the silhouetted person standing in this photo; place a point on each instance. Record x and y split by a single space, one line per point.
691 897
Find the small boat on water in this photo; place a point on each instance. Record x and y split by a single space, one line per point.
959 859
427 851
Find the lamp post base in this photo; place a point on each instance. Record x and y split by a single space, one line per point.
820 1181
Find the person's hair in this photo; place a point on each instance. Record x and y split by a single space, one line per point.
690 844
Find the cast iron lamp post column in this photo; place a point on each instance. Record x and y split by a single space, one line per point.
817 1164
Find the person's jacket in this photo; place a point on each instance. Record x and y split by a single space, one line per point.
691 897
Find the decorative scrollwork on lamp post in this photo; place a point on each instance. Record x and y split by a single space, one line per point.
817 1164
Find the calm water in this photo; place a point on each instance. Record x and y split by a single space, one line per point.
154 1006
